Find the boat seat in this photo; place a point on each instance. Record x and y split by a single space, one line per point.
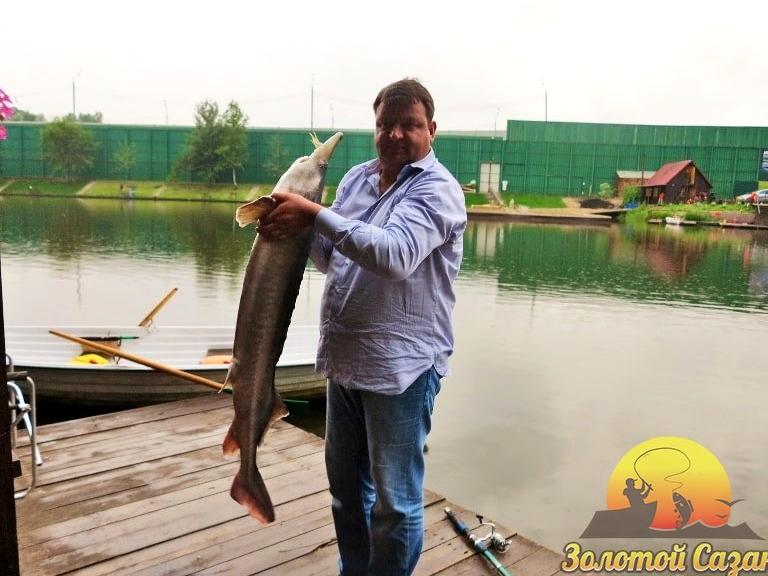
24 414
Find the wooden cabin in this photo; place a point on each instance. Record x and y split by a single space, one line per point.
677 183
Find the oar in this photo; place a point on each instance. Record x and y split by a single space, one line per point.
149 317
139 360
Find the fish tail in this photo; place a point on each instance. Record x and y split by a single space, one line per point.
231 445
257 501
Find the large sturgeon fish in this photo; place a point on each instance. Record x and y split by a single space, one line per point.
270 288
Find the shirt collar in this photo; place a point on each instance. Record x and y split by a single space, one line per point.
420 165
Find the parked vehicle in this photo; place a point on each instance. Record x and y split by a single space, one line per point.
755 197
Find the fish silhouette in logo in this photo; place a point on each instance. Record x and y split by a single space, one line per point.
684 508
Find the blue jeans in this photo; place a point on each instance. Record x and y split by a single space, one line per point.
374 457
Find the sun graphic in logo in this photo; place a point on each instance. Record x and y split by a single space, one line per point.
684 479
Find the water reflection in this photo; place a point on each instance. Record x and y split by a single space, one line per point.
702 267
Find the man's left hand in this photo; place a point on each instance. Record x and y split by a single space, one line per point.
293 214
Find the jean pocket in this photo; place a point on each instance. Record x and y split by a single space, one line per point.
432 389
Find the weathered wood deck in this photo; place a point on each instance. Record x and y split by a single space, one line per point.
146 491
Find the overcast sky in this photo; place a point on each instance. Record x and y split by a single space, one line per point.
652 62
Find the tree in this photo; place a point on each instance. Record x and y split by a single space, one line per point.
278 160
68 146
234 147
95 118
125 158
216 145
25 116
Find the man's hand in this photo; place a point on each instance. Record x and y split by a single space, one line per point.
293 214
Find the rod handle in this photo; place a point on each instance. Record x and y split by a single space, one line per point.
456 521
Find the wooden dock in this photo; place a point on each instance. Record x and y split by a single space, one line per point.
146 491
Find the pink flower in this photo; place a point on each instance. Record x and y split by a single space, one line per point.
3 133
6 106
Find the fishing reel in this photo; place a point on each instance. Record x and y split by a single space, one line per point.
493 540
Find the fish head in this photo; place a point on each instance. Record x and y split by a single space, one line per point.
307 174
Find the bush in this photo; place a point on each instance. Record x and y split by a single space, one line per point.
631 194
605 190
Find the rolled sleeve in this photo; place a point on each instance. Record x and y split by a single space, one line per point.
422 221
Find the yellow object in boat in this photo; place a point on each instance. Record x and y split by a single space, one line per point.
217 359
89 359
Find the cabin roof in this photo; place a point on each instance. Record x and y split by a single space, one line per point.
666 173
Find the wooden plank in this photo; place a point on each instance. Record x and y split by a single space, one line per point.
194 509
95 508
126 418
543 562
194 543
166 494
134 431
128 444
116 481
255 552
276 555
159 449
323 559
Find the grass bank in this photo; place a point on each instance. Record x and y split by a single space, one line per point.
158 190
47 187
529 200
123 190
690 212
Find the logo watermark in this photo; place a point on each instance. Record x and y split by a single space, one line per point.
668 488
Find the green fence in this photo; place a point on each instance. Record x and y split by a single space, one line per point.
158 148
558 158
569 158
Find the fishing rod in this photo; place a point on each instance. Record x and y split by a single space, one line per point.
483 545
666 478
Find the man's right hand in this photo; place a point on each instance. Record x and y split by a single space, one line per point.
293 214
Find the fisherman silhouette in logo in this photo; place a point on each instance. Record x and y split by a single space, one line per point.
637 496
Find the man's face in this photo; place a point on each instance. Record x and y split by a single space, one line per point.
403 133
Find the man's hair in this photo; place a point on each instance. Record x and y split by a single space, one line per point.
407 90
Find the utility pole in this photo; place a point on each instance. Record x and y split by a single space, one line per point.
74 109
165 105
312 105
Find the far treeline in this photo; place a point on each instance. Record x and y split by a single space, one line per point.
217 145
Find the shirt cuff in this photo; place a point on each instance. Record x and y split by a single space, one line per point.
329 224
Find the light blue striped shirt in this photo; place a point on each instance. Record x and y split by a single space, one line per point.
390 261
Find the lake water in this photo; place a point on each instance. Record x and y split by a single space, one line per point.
574 343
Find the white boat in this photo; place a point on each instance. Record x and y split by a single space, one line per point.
203 350
674 220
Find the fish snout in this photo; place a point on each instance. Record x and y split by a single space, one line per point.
323 152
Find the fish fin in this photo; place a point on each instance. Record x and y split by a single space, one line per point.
279 411
253 211
257 503
315 140
231 445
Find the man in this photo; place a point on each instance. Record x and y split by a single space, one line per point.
391 247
